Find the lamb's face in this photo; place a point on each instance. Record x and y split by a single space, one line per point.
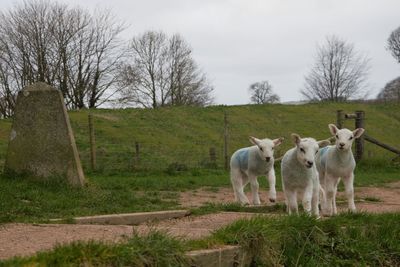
307 148
344 137
266 147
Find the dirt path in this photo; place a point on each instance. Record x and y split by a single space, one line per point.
26 239
368 199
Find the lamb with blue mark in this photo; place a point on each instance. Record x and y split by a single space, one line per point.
250 162
335 163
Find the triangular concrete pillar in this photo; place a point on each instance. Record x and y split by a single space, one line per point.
42 144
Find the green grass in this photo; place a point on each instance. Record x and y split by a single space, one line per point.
345 240
372 199
23 200
236 207
155 249
182 136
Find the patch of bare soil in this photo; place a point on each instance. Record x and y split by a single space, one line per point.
26 239
196 226
368 199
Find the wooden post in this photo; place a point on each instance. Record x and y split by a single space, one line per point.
137 153
92 143
226 165
339 118
213 156
360 115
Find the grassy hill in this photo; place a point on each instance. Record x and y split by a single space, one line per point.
181 135
184 135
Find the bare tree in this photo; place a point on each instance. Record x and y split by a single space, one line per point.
261 93
162 72
187 84
144 79
68 48
391 91
393 44
339 72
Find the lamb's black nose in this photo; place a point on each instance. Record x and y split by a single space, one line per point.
267 159
341 144
310 163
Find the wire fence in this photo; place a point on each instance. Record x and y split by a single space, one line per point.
106 144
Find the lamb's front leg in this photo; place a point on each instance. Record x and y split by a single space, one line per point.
271 182
254 189
291 200
334 196
330 193
349 189
307 198
315 198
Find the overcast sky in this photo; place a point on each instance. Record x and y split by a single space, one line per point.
237 42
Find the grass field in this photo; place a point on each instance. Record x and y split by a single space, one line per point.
22 200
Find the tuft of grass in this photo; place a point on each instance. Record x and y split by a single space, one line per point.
345 240
372 199
154 249
236 207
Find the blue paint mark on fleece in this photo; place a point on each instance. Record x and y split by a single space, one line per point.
242 159
322 153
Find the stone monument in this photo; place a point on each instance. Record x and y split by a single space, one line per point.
42 145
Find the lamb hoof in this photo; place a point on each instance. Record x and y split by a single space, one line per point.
272 200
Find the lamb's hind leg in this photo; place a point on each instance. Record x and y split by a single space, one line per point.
271 182
254 189
322 196
238 183
348 185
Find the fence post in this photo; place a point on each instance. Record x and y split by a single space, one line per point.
226 141
360 116
92 143
213 156
137 153
339 118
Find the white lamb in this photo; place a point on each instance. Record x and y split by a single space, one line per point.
248 163
335 162
299 174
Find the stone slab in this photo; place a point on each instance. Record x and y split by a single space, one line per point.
130 218
227 256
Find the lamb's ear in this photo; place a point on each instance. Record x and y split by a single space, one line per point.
278 141
324 143
296 138
333 129
254 141
358 132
